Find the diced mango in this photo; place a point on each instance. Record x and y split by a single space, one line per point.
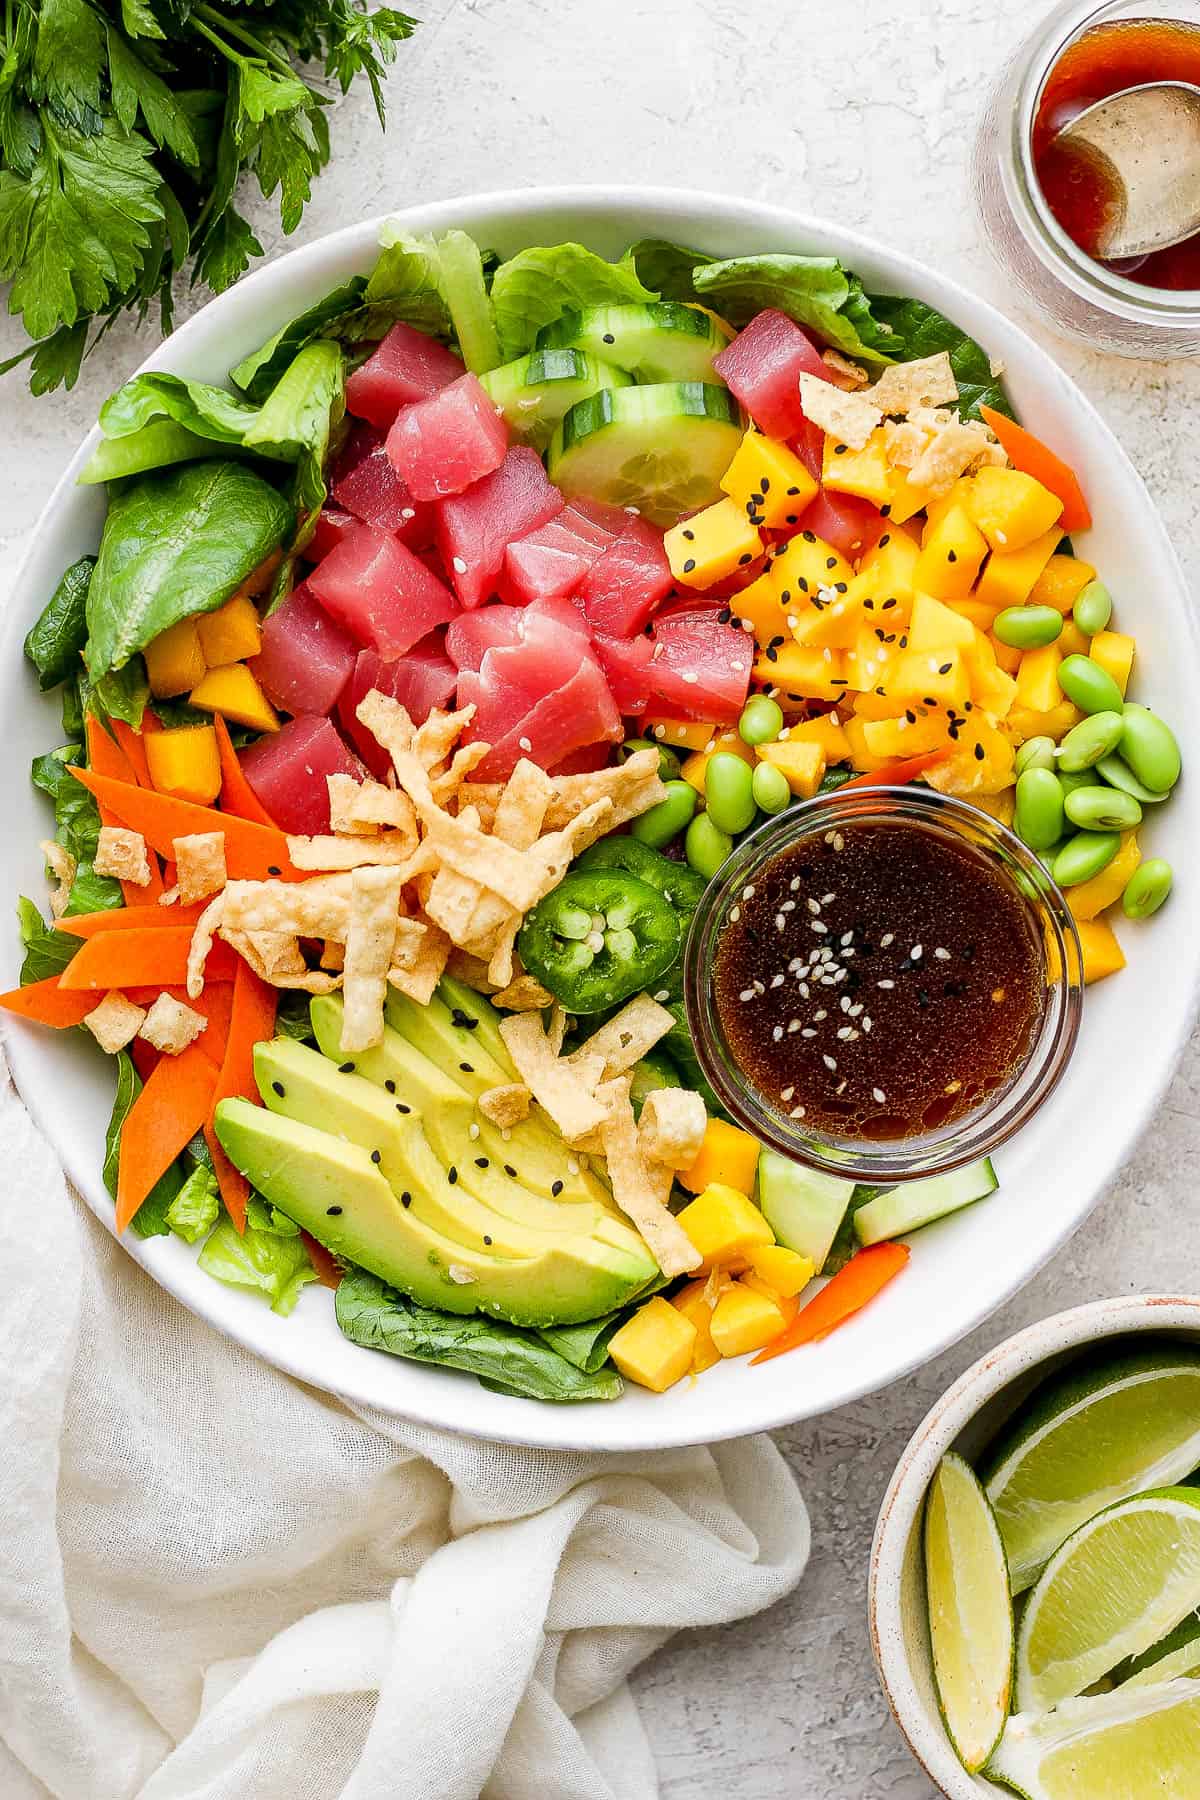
680 734
1091 897
1023 722
768 481
1071 641
1113 650
937 677
951 557
234 692
982 762
695 768
826 731
864 472
802 763
873 705
891 739
787 1305
1102 954
861 755
828 624
1010 508
809 674
694 1303
787 1272
981 616
728 1156
905 499
185 763
723 1225
230 634
744 1320
174 660
937 509
712 544
888 569
994 691
1009 576
869 662
1037 679
997 806
761 605
1061 582
655 1347
934 625
1007 655
805 565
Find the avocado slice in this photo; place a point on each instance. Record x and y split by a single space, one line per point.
486 1030
458 1049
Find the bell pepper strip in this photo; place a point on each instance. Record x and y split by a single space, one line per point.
1032 457
49 1004
252 852
130 918
897 774
252 1022
864 1276
237 796
157 959
106 757
328 1270
162 1121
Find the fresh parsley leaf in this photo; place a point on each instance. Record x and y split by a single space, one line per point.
68 64
227 251
137 89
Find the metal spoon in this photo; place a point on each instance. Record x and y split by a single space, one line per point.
1145 146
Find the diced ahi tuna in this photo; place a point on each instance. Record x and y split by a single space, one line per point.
475 528
809 445
622 589
700 667
288 771
407 366
488 627
514 677
584 761
420 680
580 713
554 559
441 445
850 524
626 665
365 484
331 527
306 657
763 366
384 595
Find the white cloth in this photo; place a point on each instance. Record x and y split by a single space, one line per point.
218 1584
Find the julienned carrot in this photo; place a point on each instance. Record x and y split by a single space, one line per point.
237 796
106 757
158 959
329 1270
49 1004
850 1290
252 852
1032 457
165 1117
134 750
130 918
898 774
253 1020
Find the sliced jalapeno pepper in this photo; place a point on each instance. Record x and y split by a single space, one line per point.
601 936
674 880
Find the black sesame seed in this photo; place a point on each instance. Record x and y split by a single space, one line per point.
609 338
467 1068
910 715
747 558
273 869
279 1088
793 518
802 583
881 634
810 537
888 604
406 1198
401 1108
840 587
887 536
776 641
945 668
333 1211
452 1174
509 1170
346 1068
772 654
377 1156
390 1085
481 1162
980 753
487 1240
689 535
952 556
785 596
765 484
724 616
556 1188
689 565
831 562
840 449
886 510
868 606
793 490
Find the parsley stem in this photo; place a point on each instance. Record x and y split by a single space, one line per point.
233 29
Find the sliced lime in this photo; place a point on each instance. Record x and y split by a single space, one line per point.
970 1613
1116 1587
1177 1654
1086 1439
1135 1744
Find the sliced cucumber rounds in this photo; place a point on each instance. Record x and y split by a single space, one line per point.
664 341
661 448
534 392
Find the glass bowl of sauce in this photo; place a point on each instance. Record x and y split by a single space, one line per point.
883 984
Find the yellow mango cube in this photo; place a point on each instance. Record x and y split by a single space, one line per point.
655 1347
1007 655
805 565
233 692
695 768
680 734
936 677
935 512
1011 508
785 1271
1061 582
1089 898
826 731
1023 722
761 605
950 557
1037 679
871 658
712 544
768 481
1102 954
890 566
1009 576
935 626
975 612
864 472
892 739
905 499
802 763
174 660
1113 650
723 1225
694 1303
185 763
829 624
997 806
230 634
807 674
728 1156
861 756
872 705
1071 641
744 1319
994 691
787 1305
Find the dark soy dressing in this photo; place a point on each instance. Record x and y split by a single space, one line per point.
880 981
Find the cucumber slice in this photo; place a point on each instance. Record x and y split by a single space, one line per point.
662 448
534 392
803 1207
919 1203
664 341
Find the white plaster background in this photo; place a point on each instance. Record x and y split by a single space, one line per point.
864 110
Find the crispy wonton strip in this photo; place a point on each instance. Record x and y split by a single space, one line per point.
638 1191
374 908
627 1037
564 1089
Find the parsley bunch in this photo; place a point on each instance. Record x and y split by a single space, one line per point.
125 126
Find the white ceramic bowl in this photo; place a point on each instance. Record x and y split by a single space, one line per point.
1134 1029
966 1419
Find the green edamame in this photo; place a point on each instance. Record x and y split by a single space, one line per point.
1092 688
668 761
1148 887
1091 739
729 792
1035 753
761 721
1102 809
1150 749
663 822
705 846
1038 808
771 791
1084 856
1118 774
1093 608
1070 779
1028 627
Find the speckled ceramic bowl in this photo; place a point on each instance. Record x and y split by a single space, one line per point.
966 1419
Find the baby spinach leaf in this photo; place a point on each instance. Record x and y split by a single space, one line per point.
292 1019
536 285
47 952
584 1346
272 1265
56 639
258 373
150 1219
815 291
122 693
295 422
920 330
668 268
74 705
77 828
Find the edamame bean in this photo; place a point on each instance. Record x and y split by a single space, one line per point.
663 822
1092 688
1118 774
1028 627
1150 749
1070 779
705 847
1102 809
729 791
1148 887
1085 856
1038 808
771 791
1091 739
1035 753
761 721
668 761
1093 608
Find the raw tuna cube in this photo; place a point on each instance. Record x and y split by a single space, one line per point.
383 594
407 366
288 772
850 524
474 529
421 680
441 445
554 559
331 527
626 665
514 677
621 590
700 668
580 713
473 633
763 366
306 657
809 445
365 484
584 761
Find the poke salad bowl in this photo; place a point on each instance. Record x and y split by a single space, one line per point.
1051 1174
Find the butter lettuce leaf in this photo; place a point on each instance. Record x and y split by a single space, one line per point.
194 1210
274 1266
258 373
668 268
815 291
534 287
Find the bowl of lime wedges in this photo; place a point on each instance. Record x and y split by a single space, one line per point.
1034 1590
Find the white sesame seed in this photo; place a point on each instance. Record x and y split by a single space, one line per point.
901 724
525 745
797 1112
802 989
866 1024
878 1095
408 512
942 955
663 994
778 980
808 1032
572 1166
793 1026
827 655
780 921
841 1088
506 1132
793 884
814 906
830 1062
844 1032
746 994
690 675
787 1093
845 1003
748 891
819 1015
889 937
472 1130
735 914
828 899
460 566
777 1034
659 731
855 1010
758 987
839 842
916 953
847 938
788 906
817 925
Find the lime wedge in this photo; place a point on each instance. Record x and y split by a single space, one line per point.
1178 1654
1136 1744
1116 1587
970 1613
1086 1439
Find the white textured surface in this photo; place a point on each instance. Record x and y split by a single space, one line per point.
862 109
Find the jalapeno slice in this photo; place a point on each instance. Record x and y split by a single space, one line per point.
601 936
674 880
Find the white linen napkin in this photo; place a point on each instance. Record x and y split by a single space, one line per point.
218 1583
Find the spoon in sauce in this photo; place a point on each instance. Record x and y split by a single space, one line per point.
1139 152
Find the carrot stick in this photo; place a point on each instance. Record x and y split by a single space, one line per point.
157 959
134 750
252 852
165 1117
130 918
237 796
46 1002
253 1021
329 1270
106 757
897 774
851 1288
1032 457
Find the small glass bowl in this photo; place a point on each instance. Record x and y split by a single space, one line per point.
961 1140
